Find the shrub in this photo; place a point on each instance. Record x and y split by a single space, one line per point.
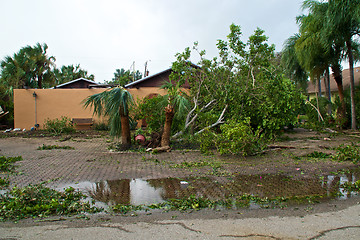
58 126
101 126
151 110
238 138
313 117
207 141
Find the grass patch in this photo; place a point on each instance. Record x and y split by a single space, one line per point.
7 163
193 203
4 183
317 154
352 187
51 147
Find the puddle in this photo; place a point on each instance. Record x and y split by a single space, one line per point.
152 191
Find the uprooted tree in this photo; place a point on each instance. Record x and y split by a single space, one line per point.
243 83
242 95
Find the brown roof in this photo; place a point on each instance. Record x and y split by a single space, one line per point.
77 83
312 87
156 80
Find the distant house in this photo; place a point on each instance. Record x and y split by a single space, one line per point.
32 107
77 83
156 80
313 88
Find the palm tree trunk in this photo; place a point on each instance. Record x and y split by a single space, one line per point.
169 115
40 77
125 130
338 79
327 88
352 84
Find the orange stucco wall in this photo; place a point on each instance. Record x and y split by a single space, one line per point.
55 103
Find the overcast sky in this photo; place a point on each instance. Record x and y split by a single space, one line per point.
103 35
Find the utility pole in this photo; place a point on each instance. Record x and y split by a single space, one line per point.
133 70
146 72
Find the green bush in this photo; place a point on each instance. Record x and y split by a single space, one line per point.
58 126
238 138
207 141
312 115
151 110
101 126
7 103
347 121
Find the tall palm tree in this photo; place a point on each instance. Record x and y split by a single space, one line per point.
41 63
343 24
29 67
312 55
290 61
114 104
316 50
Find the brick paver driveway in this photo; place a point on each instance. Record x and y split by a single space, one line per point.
271 175
89 161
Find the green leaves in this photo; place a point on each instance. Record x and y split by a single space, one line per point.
347 153
40 201
238 138
6 163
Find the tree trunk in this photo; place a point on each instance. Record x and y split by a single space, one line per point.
169 115
352 84
338 79
327 88
125 130
40 81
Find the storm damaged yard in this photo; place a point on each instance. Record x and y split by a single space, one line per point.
299 168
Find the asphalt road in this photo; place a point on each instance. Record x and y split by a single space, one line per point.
343 224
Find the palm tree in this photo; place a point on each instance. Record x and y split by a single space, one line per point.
114 104
176 103
41 63
315 49
71 72
123 77
343 24
291 63
29 67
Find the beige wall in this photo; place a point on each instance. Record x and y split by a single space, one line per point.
55 103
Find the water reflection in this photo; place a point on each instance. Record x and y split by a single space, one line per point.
140 191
